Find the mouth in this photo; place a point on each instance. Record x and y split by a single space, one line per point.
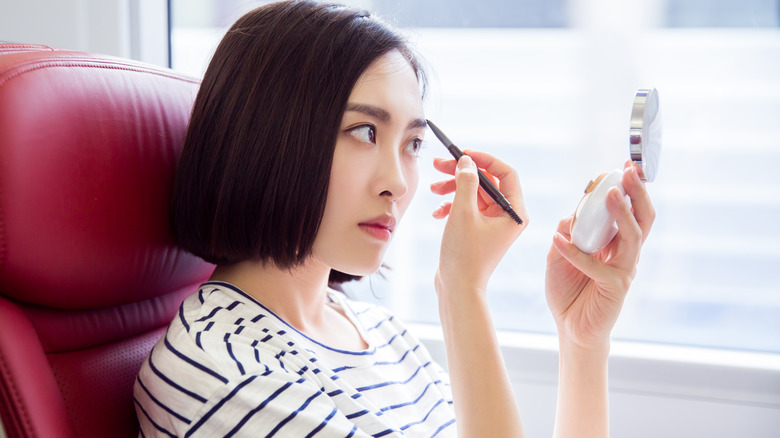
380 227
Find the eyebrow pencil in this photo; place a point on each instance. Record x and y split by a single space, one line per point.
484 182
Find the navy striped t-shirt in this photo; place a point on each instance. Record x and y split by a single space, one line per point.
228 366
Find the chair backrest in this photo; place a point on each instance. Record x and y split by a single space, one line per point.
89 274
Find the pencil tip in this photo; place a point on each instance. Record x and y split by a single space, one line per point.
515 217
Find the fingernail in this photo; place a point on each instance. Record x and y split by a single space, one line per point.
465 161
638 172
616 195
559 240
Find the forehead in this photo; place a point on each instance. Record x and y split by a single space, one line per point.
390 78
392 62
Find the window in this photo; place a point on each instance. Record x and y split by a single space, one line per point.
548 86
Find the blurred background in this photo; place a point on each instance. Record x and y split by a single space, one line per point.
548 87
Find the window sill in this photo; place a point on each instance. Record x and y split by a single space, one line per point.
669 371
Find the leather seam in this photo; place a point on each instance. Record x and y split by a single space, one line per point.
28 47
40 64
24 417
3 249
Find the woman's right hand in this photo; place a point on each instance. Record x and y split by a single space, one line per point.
477 235
478 232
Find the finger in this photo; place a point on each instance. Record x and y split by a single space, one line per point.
631 163
467 183
509 181
442 210
443 187
640 200
448 186
448 166
564 226
445 165
629 237
485 199
587 264
492 178
502 176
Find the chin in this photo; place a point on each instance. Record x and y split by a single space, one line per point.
360 269
360 272
361 261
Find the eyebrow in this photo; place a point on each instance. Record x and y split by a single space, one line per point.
382 115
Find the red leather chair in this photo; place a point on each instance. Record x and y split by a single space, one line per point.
89 275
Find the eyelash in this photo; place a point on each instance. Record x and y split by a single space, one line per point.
371 137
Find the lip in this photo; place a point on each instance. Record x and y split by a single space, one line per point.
380 227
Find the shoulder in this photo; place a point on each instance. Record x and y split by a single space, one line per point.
218 347
237 332
218 336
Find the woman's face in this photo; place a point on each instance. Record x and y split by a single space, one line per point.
374 173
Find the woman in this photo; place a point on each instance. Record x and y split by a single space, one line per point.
300 159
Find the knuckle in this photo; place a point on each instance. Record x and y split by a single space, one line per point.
625 281
651 214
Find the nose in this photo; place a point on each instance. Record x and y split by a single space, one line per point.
391 177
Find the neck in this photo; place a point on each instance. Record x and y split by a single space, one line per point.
297 295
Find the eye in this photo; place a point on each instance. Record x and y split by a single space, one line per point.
364 133
413 147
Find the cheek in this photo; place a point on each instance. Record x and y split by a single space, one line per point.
340 170
347 181
412 176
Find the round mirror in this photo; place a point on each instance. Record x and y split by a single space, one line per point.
645 132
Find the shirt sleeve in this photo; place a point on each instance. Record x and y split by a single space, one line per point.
271 404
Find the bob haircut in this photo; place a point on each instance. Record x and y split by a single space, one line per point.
252 179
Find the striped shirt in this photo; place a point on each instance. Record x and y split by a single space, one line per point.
228 366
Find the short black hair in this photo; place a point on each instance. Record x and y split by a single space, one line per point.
252 179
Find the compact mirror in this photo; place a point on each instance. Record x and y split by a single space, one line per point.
592 226
645 132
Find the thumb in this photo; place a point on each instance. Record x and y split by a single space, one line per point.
467 184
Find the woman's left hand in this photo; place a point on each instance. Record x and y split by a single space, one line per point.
586 292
